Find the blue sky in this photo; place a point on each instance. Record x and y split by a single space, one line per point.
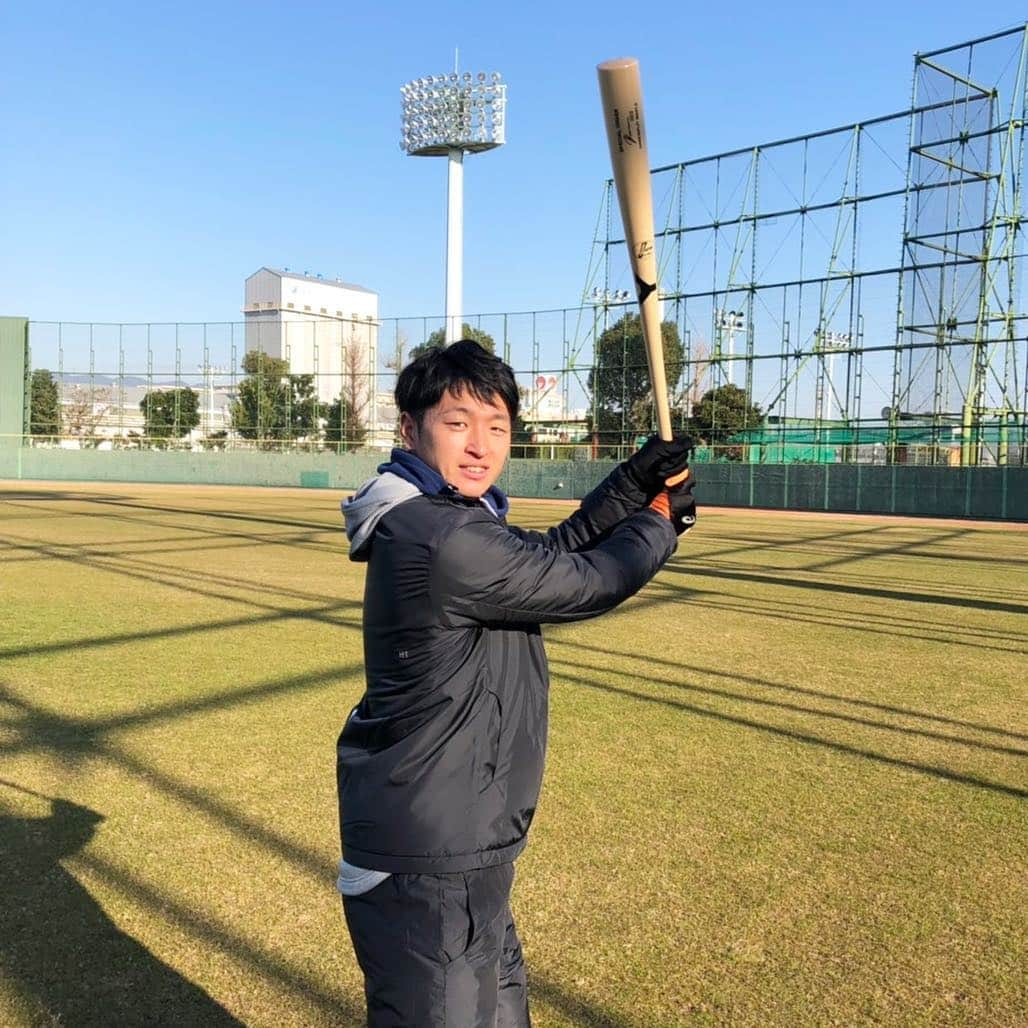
156 154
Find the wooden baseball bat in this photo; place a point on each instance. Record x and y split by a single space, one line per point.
621 95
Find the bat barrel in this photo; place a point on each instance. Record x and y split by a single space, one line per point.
621 96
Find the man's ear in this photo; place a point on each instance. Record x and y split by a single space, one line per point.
408 431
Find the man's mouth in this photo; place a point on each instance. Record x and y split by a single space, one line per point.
474 469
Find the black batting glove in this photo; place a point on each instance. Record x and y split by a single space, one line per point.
676 503
658 460
683 506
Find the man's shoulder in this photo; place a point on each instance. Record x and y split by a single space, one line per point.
425 516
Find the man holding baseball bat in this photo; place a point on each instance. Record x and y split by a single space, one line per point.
440 764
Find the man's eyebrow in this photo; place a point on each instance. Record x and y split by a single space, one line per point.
497 416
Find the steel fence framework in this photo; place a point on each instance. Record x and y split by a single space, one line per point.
790 249
862 284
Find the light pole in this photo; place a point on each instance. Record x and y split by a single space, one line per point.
210 373
451 115
830 343
732 322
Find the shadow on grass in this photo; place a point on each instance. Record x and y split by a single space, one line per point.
210 543
664 592
98 642
339 1008
797 736
63 954
972 638
577 1011
830 715
302 538
75 740
900 549
194 582
132 503
322 526
880 622
11 495
678 667
750 544
72 740
680 567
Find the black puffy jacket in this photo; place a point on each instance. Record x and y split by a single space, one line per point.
439 765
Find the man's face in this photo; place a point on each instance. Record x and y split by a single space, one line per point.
465 440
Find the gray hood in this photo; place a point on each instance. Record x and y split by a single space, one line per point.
363 511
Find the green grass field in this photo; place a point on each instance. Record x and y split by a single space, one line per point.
786 783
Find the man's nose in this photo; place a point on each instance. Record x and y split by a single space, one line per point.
476 442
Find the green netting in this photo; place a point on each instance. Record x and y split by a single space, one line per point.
842 490
989 489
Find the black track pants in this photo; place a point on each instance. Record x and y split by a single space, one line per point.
440 951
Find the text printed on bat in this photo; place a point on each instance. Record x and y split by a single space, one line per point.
631 133
644 249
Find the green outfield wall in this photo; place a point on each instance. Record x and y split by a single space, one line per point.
996 493
14 341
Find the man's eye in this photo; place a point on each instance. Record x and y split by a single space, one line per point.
457 424
499 430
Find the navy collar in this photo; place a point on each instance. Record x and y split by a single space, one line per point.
411 468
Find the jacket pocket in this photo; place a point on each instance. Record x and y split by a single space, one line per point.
456 922
490 747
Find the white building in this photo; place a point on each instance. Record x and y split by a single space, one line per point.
323 327
108 412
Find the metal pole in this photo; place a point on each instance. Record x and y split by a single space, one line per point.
454 244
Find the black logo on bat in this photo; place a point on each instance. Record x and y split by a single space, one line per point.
643 289
633 133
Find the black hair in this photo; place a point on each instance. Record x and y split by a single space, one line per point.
459 366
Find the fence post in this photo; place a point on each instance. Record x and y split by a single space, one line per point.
14 344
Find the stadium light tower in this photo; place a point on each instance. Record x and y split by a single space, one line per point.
830 343
730 322
451 115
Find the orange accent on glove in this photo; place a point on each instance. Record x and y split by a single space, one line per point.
677 479
661 503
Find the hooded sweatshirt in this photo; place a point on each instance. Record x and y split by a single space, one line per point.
401 478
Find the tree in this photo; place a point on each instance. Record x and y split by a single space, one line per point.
437 340
85 411
170 413
272 404
696 372
724 412
520 433
396 361
303 419
343 429
346 418
620 379
45 405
